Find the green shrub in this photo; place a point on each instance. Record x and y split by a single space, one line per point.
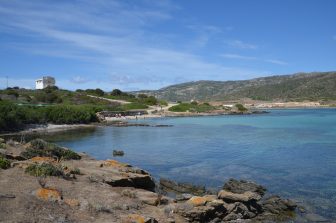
241 107
39 147
44 169
4 163
192 107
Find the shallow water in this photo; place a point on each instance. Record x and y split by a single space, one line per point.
291 152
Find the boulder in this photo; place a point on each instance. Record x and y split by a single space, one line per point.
237 211
197 201
151 198
241 186
230 197
168 185
278 206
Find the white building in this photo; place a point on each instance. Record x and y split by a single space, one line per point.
45 82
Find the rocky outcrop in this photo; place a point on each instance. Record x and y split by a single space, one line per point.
181 188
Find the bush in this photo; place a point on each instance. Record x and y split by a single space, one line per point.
39 147
43 170
192 107
241 107
133 105
4 163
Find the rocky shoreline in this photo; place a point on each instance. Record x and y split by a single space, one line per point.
48 183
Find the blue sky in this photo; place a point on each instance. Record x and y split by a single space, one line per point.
149 44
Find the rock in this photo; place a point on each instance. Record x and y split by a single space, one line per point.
136 218
241 186
278 206
131 180
311 217
230 197
200 213
115 163
148 197
48 194
72 202
118 153
168 185
183 197
197 201
237 211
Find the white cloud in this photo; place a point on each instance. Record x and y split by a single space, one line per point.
241 45
237 56
117 38
279 62
242 57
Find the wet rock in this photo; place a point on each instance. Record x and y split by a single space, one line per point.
241 186
48 194
168 185
277 205
183 197
118 153
238 210
315 218
230 197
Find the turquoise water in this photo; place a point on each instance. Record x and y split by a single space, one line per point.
291 152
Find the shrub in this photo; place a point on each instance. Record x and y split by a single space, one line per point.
39 147
241 107
4 163
44 169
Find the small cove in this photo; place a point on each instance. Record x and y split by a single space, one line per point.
291 152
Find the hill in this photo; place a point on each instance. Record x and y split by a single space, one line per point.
296 87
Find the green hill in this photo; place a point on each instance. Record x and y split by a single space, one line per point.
296 87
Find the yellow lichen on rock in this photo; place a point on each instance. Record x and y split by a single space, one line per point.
197 201
50 194
40 159
114 163
134 218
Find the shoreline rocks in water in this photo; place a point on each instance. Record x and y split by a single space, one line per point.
89 190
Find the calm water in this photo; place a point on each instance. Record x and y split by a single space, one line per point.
291 152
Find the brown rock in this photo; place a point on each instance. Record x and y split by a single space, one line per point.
233 197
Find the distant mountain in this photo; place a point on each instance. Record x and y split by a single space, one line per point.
296 87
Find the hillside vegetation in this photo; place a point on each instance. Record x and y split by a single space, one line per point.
297 87
19 107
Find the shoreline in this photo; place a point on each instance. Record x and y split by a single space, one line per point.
110 121
85 189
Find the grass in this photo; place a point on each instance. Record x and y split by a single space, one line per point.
39 147
4 163
43 170
133 105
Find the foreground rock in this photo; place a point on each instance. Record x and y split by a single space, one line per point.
49 188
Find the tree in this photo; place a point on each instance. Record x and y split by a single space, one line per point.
116 92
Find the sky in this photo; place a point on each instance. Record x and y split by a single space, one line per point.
149 44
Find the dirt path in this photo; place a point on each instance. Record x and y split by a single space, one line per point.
110 100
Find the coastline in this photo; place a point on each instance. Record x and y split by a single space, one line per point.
84 189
